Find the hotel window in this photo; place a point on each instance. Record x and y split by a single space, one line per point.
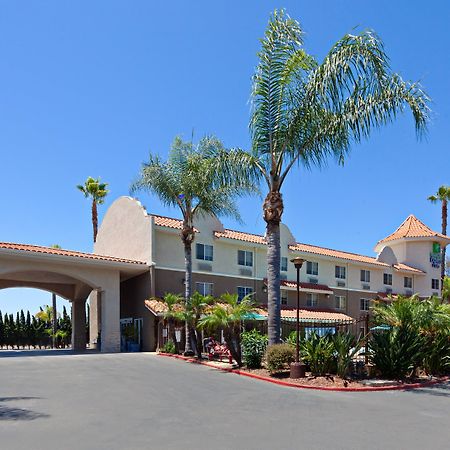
312 299
204 252
284 264
204 288
243 291
364 304
339 272
284 297
387 279
435 283
312 268
339 302
407 282
245 258
365 276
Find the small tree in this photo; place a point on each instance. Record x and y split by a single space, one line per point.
228 316
173 303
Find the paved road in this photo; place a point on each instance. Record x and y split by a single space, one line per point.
142 401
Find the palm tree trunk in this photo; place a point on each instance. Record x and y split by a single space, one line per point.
444 232
94 219
54 320
273 210
188 293
228 335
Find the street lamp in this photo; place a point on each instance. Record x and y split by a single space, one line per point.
297 367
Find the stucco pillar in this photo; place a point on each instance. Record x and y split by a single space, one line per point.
95 318
79 325
110 316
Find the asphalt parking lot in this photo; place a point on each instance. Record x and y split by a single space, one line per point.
141 401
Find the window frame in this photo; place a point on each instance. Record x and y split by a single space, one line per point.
435 284
365 272
245 262
310 265
384 279
282 267
205 283
340 297
408 285
284 298
366 304
312 295
247 289
202 255
338 273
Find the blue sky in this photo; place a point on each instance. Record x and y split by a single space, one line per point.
89 88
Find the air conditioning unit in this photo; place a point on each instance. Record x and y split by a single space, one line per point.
204 267
313 280
388 291
408 293
341 284
366 287
245 272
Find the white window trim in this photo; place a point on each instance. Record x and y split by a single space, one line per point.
246 253
204 284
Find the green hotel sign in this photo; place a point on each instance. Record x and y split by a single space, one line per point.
435 255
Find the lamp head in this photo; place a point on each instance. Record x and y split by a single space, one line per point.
298 262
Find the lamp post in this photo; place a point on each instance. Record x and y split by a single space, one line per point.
297 367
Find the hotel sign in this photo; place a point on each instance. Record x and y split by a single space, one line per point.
435 255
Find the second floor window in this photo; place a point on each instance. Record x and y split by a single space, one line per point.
407 282
204 288
284 264
245 258
365 276
312 268
312 300
435 283
387 279
339 272
204 252
242 291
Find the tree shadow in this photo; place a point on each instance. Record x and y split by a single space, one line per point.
44 352
438 390
12 413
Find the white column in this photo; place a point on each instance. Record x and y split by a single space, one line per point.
110 316
79 325
95 317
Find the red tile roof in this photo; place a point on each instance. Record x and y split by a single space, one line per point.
412 227
62 252
158 307
304 286
169 222
240 236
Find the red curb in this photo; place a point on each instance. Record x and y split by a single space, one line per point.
304 386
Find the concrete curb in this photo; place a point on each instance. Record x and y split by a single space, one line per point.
402 387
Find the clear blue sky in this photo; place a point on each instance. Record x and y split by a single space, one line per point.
88 88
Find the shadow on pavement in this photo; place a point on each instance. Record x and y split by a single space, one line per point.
438 390
48 352
15 413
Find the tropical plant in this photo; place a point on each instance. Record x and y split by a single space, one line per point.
446 289
278 357
173 302
305 111
228 316
397 352
442 196
318 353
169 347
254 345
189 180
97 191
346 346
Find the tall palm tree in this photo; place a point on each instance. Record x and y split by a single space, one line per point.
305 111
97 191
443 196
189 180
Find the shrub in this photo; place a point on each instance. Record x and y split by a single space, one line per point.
168 347
436 358
345 348
279 356
254 345
397 352
318 353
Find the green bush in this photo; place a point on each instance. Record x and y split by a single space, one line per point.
254 345
396 353
279 356
169 347
345 348
318 353
436 354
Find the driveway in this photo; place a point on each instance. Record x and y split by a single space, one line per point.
142 401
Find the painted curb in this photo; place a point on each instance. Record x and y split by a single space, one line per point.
403 387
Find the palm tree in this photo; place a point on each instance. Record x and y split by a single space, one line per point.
190 181
172 301
443 196
228 316
97 191
305 111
